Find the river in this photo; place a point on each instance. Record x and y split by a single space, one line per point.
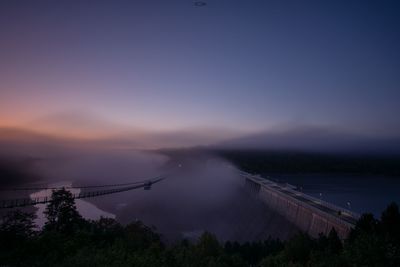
357 193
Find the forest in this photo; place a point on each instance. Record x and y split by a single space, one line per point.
67 239
303 162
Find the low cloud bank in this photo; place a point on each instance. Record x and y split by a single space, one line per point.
201 193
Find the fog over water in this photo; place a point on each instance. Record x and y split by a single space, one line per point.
200 193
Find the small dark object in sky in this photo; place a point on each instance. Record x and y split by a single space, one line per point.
200 3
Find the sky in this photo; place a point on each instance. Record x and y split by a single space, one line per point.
231 67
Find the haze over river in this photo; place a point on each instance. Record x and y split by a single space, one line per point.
201 192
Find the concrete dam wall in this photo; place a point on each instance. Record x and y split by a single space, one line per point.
309 214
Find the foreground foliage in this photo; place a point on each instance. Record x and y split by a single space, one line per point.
69 240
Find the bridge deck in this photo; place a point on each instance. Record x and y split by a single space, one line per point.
14 203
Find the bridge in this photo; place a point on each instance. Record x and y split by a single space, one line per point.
309 214
112 189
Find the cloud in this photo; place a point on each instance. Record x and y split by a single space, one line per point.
79 126
83 128
76 123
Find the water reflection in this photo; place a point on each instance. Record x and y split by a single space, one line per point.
357 193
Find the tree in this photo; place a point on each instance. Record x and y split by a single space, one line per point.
390 222
208 245
18 223
390 229
139 236
334 245
16 226
367 224
17 229
61 213
298 248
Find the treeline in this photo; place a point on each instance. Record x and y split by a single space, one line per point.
69 240
263 161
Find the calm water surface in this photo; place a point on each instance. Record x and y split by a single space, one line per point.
358 193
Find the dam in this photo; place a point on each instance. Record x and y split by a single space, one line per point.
309 214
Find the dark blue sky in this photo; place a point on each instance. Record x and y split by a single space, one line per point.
240 65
